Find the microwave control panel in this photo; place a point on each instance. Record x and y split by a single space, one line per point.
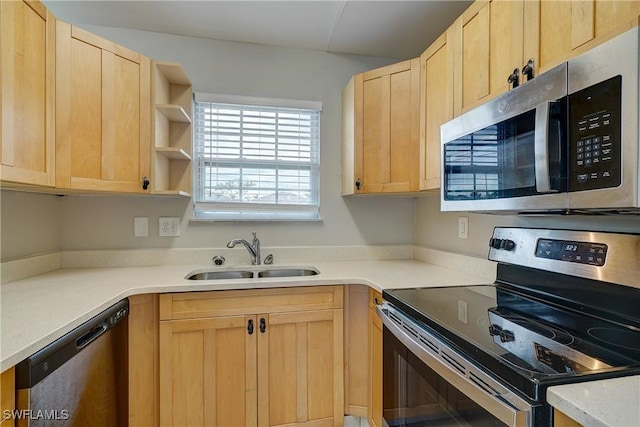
594 135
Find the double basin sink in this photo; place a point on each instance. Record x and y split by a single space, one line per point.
251 273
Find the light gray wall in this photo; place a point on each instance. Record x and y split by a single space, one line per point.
28 224
37 223
440 229
251 70
103 222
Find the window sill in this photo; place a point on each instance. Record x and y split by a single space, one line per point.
258 220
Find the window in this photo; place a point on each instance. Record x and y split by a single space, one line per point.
256 158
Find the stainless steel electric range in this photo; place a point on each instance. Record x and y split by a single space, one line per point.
565 307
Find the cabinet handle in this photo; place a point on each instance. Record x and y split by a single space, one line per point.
145 183
514 78
358 184
528 69
263 325
250 327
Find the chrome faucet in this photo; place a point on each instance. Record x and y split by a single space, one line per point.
253 248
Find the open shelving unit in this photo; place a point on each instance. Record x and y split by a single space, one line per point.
171 96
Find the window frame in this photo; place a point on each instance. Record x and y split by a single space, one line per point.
247 211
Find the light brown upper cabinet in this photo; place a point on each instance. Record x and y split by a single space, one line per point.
570 28
27 43
436 107
513 41
171 123
471 60
493 39
381 130
102 114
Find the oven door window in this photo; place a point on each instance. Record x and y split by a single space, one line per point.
414 395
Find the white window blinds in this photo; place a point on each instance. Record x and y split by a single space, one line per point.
256 161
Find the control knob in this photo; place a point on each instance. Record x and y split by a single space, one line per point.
505 244
507 336
494 330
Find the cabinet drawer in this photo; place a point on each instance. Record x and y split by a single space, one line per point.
191 305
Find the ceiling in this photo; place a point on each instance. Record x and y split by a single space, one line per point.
394 29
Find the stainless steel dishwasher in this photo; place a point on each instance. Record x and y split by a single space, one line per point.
79 379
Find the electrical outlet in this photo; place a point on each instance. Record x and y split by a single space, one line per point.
141 226
463 311
463 227
169 226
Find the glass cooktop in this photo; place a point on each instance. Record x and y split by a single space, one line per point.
524 340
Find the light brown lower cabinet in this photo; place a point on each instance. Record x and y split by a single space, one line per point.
356 350
143 360
8 400
561 420
363 354
269 357
375 361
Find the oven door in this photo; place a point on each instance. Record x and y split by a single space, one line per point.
509 154
426 383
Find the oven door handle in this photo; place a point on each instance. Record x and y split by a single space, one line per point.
541 148
456 370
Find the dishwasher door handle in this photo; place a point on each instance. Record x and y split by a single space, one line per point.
90 336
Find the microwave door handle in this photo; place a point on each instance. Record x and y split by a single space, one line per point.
541 148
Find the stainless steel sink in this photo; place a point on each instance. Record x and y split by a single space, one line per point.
220 275
287 272
249 274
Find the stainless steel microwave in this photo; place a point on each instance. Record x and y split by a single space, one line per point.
565 141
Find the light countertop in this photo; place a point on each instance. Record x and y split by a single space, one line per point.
604 403
38 310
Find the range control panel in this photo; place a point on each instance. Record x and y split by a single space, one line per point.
595 159
580 252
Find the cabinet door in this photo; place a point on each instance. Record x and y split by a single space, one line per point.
208 372
505 43
610 15
27 43
562 420
390 128
142 337
558 34
356 350
472 56
491 40
7 392
436 108
102 113
300 369
584 25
